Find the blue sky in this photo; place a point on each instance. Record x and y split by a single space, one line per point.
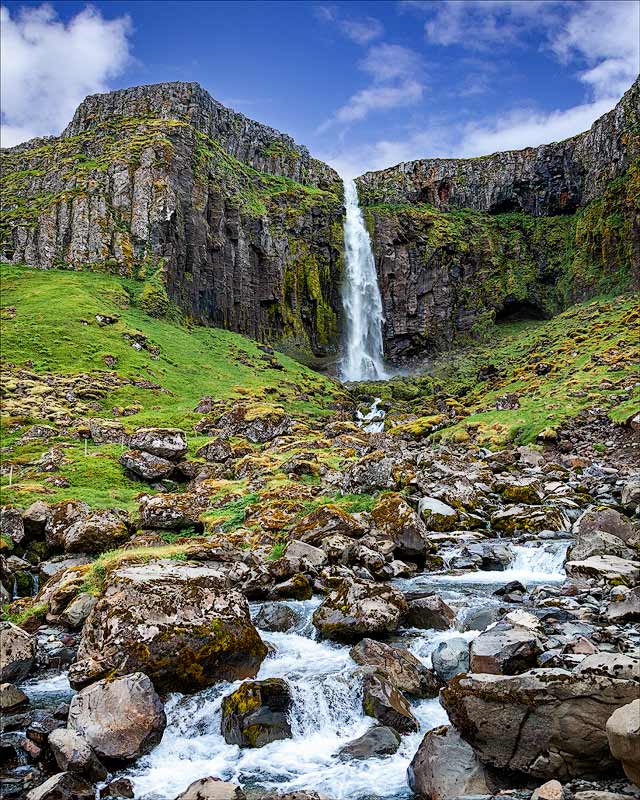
363 84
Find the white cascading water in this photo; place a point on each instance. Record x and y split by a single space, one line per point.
363 358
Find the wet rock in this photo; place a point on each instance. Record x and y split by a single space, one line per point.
17 653
548 723
380 699
492 555
63 786
177 622
357 608
615 665
395 518
438 516
276 617
626 609
375 743
119 787
212 789
445 767
257 423
623 734
167 443
120 719
257 713
147 466
325 521
12 698
607 568
450 658
402 668
504 650
479 619
73 753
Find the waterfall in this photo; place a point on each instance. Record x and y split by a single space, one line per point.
363 356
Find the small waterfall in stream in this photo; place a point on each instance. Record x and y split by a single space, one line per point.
363 358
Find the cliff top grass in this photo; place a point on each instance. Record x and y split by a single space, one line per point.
129 368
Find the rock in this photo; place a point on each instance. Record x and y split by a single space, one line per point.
627 609
358 608
73 753
402 668
298 587
215 451
257 423
521 490
167 443
12 524
78 610
450 658
177 622
631 494
75 528
429 612
212 789
598 543
171 511
325 521
529 519
120 719
63 786
492 555
314 555
615 665
119 787
257 713
370 473
395 517
551 790
276 617
607 568
623 734
384 702
35 519
147 466
608 520
479 619
547 723
445 767
17 653
377 742
504 650
11 698
438 516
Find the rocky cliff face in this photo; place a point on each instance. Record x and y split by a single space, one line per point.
228 218
461 242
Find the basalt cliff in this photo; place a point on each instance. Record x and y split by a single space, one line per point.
241 228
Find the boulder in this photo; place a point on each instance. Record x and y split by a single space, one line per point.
631 494
118 787
615 665
172 511
529 519
377 742
394 517
380 699
12 698
626 609
76 528
257 713
257 423
120 719
167 443
147 466
212 789
445 767
490 555
179 623
504 650
277 617
607 568
438 516
73 753
402 668
521 490
302 550
450 658
547 723
63 786
360 608
297 587
429 612
551 790
608 520
325 521
12 525
598 543
78 610
215 451
370 473
17 653
623 734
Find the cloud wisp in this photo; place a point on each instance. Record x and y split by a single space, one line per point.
49 66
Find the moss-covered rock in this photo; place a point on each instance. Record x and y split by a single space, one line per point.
257 713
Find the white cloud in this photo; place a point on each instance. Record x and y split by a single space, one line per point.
48 66
361 30
379 98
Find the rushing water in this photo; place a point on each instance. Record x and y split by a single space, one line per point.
363 357
373 420
326 710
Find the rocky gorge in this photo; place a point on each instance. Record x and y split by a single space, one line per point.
227 576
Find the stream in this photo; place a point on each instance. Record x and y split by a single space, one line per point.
326 691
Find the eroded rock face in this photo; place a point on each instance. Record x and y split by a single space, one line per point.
119 719
17 653
445 767
179 623
257 713
548 723
359 608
